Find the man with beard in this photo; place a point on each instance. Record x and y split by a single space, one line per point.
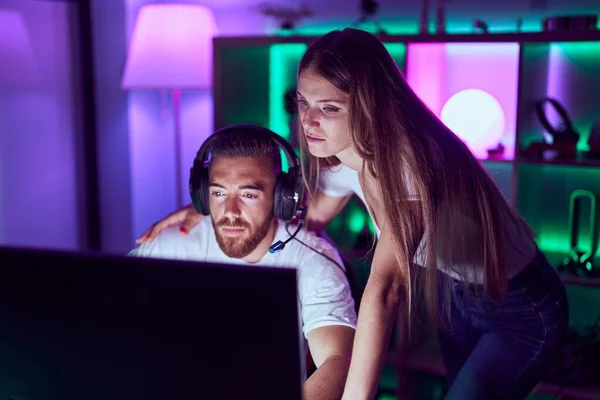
239 198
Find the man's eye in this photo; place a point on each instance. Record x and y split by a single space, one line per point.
216 193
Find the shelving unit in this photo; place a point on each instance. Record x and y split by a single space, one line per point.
252 75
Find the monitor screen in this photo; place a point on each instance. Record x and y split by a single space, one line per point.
90 326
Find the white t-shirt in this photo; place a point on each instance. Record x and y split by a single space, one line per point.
342 180
324 293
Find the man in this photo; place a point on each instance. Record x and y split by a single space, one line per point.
241 227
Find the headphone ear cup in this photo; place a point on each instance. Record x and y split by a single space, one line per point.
199 189
278 195
284 203
203 192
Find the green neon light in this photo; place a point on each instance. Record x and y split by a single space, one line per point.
283 64
398 53
394 27
357 218
545 192
335 225
277 120
284 59
371 226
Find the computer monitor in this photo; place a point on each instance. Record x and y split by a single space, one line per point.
85 326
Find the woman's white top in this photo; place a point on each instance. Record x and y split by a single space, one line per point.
341 181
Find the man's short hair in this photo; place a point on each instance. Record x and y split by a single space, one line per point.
245 143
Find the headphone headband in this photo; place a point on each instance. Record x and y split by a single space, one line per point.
259 130
289 187
565 129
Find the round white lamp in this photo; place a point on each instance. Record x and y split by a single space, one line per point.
477 118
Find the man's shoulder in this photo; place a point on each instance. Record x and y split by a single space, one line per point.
315 240
171 243
313 246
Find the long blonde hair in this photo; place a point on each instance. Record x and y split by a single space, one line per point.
404 144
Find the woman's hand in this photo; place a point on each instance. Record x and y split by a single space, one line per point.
187 216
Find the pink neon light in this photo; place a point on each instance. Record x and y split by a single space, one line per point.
426 74
171 47
438 71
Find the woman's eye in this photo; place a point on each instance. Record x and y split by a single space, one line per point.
250 196
330 109
216 193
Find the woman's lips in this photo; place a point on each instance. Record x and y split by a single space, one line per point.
313 139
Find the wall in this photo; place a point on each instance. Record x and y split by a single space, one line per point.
38 127
108 31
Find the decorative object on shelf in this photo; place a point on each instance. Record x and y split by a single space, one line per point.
477 118
594 142
368 11
287 17
424 18
480 25
171 49
564 23
440 17
579 262
564 136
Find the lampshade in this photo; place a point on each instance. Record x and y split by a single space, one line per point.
17 59
171 48
477 118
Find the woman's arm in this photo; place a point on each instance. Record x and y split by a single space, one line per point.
376 316
322 208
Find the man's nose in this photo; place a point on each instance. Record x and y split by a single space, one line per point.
232 206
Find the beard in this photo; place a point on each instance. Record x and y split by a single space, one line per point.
242 245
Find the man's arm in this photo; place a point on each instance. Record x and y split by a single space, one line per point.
329 319
330 348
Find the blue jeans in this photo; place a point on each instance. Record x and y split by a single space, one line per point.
501 350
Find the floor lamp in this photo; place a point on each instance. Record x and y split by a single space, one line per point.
171 49
17 56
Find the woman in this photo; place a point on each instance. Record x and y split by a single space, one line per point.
500 307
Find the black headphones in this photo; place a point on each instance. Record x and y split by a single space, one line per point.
565 131
289 187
